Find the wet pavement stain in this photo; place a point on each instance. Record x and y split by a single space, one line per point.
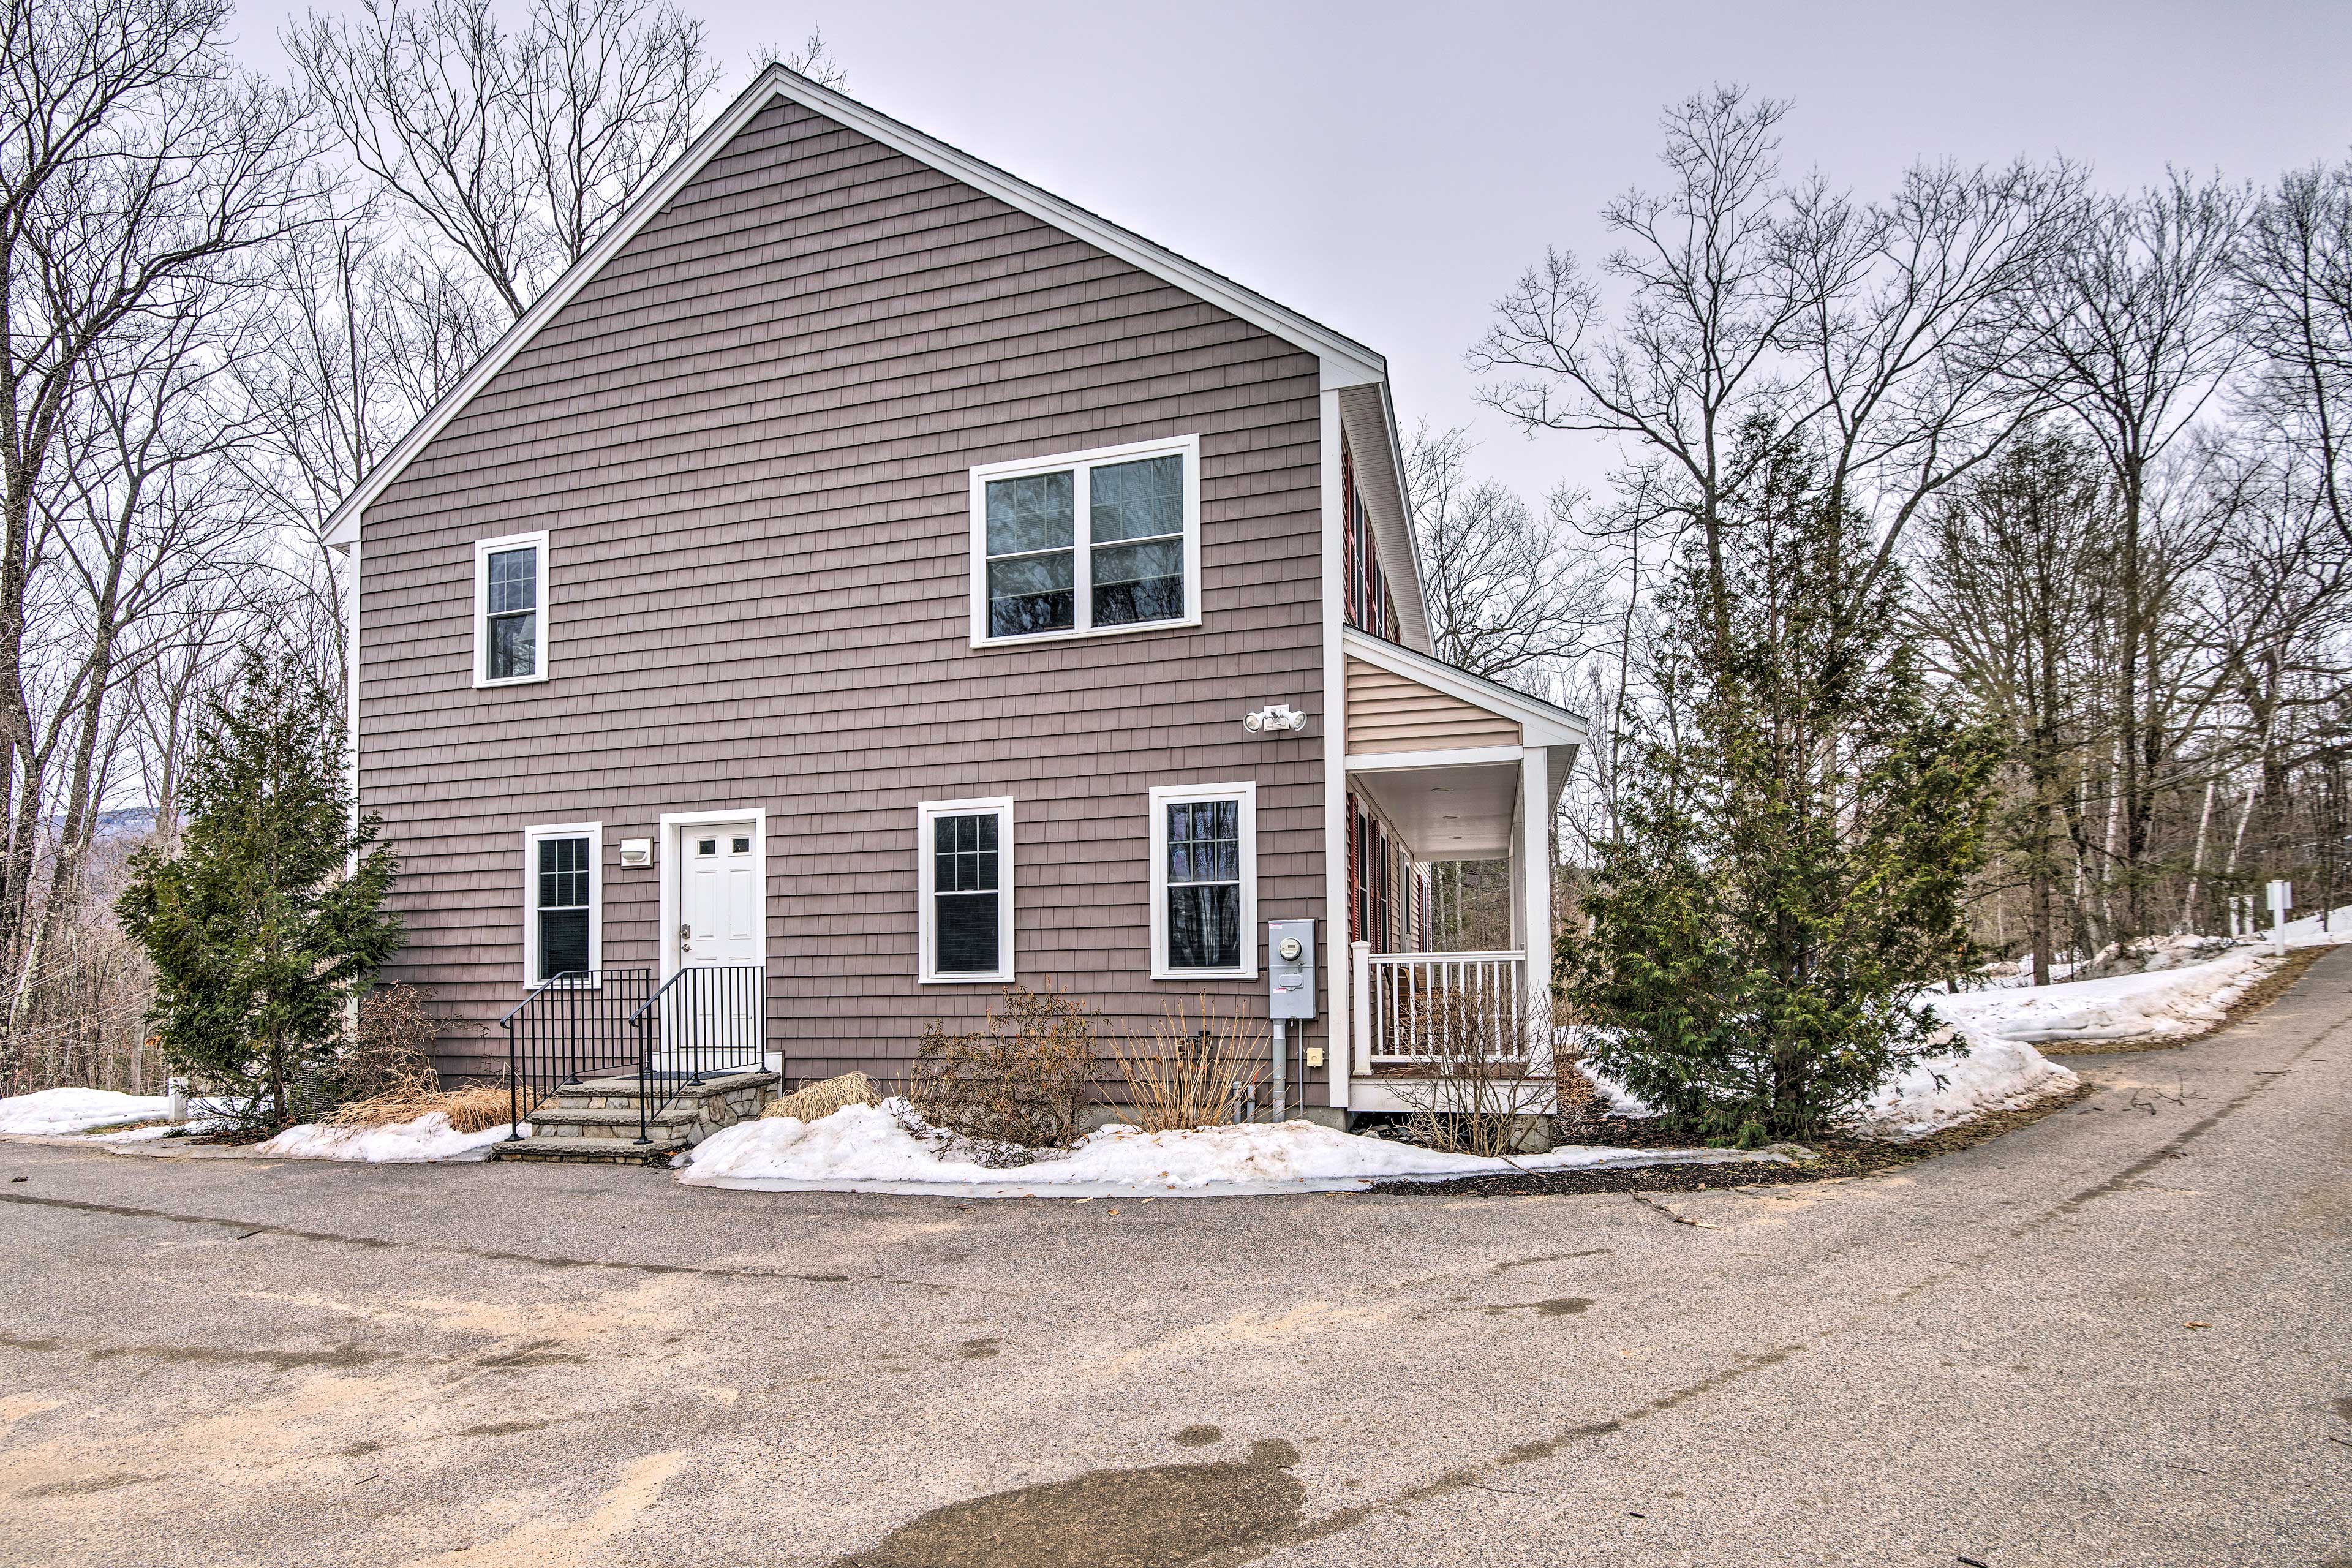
208 1355
539 1353
977 1350
1158 1516
82 1487
1559 1307
1200 1436
500 1428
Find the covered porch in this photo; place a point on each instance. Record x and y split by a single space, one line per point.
1443 766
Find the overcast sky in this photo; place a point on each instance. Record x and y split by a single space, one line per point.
1388 170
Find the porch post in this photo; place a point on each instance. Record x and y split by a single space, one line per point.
1361 987
1534 915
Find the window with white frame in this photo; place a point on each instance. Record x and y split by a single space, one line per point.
562 902
1203 881
1086 542
965 848
511 609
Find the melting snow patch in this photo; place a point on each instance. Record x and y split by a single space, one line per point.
872 1148
429 1136
57 1112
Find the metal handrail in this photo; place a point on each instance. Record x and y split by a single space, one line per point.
575 1025
707 1021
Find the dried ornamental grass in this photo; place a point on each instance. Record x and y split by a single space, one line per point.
1182 1075
825 1099
477 1109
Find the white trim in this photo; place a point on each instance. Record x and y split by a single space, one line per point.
595 833
925 913
666 855
1163 796
1336 966
535 542
1345 362
1468 757
1082 546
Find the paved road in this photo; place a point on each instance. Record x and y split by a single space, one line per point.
2122 1335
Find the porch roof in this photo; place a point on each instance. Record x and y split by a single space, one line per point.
1441 751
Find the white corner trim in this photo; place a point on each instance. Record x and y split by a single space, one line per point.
1345 361
1162 797
1082 547
1338 974
926 912
668 832
595 833
536 541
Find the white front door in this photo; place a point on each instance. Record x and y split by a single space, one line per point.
719 902
712 1020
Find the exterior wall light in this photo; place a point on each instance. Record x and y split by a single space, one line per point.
1281 716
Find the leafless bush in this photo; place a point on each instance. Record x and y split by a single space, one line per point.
1480 1088
1020 1079
1182 1075
82 1020
390 1051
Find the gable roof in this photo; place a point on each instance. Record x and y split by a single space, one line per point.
1346 363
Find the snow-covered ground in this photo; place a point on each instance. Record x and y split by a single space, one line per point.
429 1136
872 1148
2121 1007
2313 931
57 1112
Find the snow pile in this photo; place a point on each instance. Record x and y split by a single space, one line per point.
1941 1091
2121 1007
881 1149
429 1136
2312 930
55 1112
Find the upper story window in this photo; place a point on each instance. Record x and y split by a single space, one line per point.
1086 542
964 848
511 609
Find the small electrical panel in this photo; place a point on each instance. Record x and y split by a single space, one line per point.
1291 969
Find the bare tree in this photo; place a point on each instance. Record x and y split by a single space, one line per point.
1510 596
140 172
2133 332
813 58
2293 268
1698 347
513 151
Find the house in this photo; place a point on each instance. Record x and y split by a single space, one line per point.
848 592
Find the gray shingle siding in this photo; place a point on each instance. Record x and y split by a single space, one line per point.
749 439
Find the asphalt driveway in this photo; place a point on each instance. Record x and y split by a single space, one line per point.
2120 1335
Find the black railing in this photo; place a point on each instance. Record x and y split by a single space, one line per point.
703 1023
579 1025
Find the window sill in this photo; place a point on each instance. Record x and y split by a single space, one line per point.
594 983
1247 974
1003 979
483 683
1088 633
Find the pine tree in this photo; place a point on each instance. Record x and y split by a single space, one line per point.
267 920
1801 815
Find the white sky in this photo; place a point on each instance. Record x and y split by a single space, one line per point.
1388 170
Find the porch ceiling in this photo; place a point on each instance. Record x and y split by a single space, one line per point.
1448 814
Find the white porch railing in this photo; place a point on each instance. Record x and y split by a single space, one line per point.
1411 1007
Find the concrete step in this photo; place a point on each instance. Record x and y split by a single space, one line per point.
621 1093
593 1151
609 1122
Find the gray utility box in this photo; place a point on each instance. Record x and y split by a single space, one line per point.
1290 966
